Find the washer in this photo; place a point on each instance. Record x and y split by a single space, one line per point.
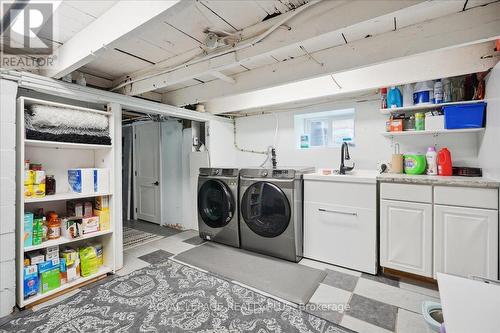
218 205
271 211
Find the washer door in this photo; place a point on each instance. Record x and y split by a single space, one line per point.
215 203
265 209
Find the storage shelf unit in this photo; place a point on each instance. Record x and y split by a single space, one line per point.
56 158
63 240
440 132
36 298
64 196
423 107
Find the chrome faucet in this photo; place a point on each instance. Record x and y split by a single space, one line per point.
344 155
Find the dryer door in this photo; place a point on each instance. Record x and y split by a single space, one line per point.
216 203
265 209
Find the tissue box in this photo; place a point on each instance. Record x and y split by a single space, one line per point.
81 180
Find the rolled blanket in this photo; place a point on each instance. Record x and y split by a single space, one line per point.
51 116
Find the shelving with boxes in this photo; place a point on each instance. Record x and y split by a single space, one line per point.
66 238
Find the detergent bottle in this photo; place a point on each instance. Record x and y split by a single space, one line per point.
444 162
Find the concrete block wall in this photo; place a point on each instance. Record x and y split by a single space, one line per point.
8 93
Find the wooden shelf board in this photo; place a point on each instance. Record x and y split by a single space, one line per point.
420 107
64 196
63 240
440 132
64 145
38 297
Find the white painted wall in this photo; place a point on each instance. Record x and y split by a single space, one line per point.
8 93
488 153
171 169
257 132
220 143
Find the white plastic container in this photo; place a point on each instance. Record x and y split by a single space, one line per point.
101 180
423 92
408 95
431 157
434 123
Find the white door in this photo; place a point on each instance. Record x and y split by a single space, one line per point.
406 236
147 172
466 241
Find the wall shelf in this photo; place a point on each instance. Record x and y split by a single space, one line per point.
36 298
440 132
56 158
65 196
64 240
63 145
423 107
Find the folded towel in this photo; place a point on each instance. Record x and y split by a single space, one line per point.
50 116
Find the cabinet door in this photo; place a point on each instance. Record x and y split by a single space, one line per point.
466 241
406 236
341 235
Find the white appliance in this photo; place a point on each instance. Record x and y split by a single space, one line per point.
340 219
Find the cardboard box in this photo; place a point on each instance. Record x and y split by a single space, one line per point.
38 190
70 228
30 281
28 191
29 177
81 180
35 257
50 280
101 180
51 253
90 224
28 229
104 218
102 202
74 208
48 265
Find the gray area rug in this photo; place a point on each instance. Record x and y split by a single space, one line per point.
169 297
287 280
134 237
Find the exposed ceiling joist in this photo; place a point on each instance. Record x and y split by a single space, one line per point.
321 21
471 26
223 77
117 22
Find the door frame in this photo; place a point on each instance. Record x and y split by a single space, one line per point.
134 167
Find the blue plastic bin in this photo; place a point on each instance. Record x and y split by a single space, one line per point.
464 115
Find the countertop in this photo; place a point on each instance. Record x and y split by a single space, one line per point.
439 180
355 176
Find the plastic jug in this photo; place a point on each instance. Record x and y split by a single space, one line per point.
444 162
394 98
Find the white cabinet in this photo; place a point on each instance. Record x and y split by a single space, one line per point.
340 223
466 241
406 236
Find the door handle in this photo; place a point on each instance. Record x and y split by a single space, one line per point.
156 183
336 212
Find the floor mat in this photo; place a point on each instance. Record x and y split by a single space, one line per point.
169 297
287 280
134 237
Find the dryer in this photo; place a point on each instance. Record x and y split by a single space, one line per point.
271 211
218 205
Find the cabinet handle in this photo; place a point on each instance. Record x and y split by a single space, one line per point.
337 212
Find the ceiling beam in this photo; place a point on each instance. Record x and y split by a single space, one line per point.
120 20
223 77
321 22
468 27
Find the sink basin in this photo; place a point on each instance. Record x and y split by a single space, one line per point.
356 176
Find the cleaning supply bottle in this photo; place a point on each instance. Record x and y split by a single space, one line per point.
383 98
394 98
438 92
444 162
431 157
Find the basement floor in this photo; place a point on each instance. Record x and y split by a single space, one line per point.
376 303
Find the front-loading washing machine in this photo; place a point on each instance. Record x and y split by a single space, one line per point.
218 205
271 211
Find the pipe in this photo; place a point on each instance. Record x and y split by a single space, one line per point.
194 60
